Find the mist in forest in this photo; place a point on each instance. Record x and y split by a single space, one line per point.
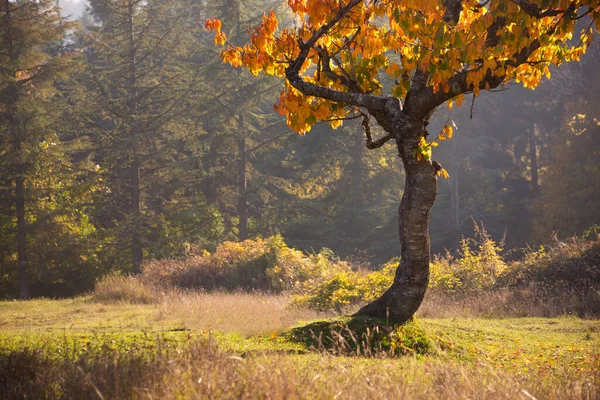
144 145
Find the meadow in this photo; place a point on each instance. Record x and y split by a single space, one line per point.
258 319
238 345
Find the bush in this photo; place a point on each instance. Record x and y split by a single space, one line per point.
477 269
323 283
575 264
260 264
561 279
347 288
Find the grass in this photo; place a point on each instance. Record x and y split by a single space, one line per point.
193 345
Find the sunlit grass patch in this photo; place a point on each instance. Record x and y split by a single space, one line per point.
233 345
362 336
557 348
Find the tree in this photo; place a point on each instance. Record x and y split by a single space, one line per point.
237 125
140 78
28 73
433 53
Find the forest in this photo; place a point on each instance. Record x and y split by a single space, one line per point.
286 184
126 139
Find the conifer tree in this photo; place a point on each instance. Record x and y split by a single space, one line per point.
28 73
140 80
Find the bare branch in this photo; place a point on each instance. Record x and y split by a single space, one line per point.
534 11
343 79
370 143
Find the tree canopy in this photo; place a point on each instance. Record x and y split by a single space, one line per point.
346 54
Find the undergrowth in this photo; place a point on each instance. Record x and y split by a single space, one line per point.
560 279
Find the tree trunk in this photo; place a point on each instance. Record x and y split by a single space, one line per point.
535 181
455 189
137 251
242 207
357 168
136 241
21 228
12 122
400 302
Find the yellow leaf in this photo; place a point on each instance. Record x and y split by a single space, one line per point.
447 131
220 38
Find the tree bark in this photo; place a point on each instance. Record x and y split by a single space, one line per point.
21 226
400 302
137 251
535 180
357 168
242 189
12 120
136 241
455 188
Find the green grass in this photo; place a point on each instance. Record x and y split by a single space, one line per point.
552 357
78 314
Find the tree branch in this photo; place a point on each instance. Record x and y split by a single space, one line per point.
370 143
534 11
292 73
425 100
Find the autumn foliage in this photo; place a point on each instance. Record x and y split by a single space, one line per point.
377 46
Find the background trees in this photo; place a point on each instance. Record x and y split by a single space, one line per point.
36 202
216 163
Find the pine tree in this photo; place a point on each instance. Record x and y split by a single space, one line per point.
28 73
139 78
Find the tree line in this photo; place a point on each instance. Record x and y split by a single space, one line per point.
124 138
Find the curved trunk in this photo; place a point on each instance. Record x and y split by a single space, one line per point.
400 302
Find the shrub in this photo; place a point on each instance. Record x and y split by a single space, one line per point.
477 269
347 288
575 264
324 283
561 279
260 264
293 270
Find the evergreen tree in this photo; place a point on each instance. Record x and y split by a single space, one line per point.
28 73
139 77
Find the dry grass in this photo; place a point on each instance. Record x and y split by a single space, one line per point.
516 358
252 313
280 377
204 370
509 303
244 313
247 313
116 288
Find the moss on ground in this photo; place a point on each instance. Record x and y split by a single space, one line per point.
362 335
